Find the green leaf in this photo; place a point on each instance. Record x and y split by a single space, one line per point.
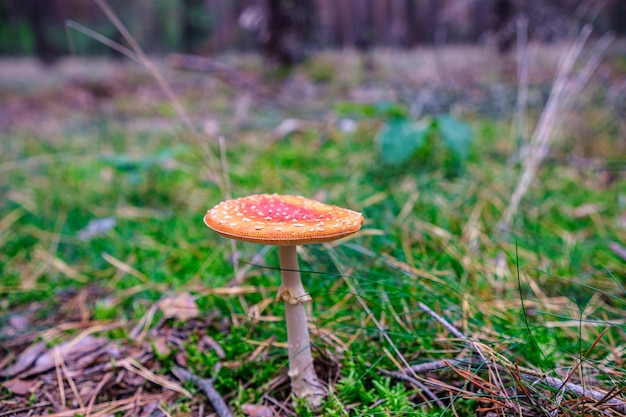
391 110
125 163
130 163
456 135
399 139
349 108
382 109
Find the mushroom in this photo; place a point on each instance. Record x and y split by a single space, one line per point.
286 221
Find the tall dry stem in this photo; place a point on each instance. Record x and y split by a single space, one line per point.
142 58
565 91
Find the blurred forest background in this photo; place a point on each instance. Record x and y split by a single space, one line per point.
286 30
483 141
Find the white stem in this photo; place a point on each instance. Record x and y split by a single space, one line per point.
304 382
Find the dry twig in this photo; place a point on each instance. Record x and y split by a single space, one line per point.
140 56
608 400
206 385
567 87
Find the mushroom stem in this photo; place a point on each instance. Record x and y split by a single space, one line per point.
304 382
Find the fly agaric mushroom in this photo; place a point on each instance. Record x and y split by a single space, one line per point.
286 221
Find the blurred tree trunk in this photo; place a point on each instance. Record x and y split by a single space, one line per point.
617 19
381 21
345 27
191 33
504 12
481 9
364 37
411 22
430 21
289 25
398 22
363 40
38 14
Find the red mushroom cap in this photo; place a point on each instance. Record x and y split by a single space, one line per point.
282 220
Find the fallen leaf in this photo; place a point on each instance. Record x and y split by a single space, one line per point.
182 307
288 126
25 360
181 359
347 125
19 386
105 353
70 351
160 346
586 210
19 322
211 127
96 227
254 410
87 388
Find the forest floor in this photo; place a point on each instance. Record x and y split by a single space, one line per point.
113 291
